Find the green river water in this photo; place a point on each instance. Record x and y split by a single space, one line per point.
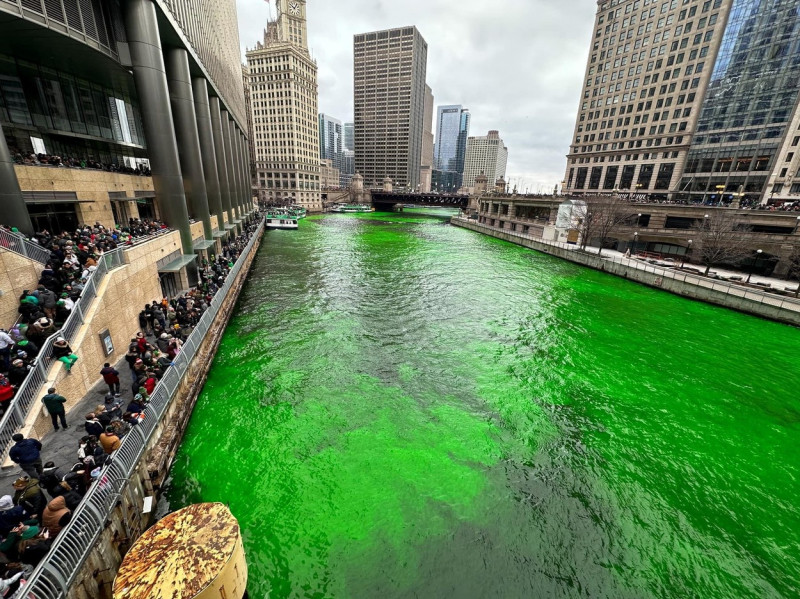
402 408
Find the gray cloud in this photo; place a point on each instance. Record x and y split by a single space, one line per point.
516 64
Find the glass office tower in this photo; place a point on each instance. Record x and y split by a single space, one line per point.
452 131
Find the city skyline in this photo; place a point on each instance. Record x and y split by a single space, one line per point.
536 107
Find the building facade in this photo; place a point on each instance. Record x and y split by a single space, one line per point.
348 168
389 97
426 160
452 131
647 75
349 137
485 155
331 138
140 104
328 174
284 98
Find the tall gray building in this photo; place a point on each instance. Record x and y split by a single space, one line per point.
452 131
389 97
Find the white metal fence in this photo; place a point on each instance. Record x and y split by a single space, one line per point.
58 570
732 289
15 242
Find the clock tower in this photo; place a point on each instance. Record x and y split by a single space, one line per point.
292 22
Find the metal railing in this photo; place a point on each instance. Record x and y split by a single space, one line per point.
55 574
760 297
28 391
16 242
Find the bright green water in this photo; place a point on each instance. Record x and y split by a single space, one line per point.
401 408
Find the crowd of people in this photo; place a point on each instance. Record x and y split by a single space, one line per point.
43 311
45 495
33 159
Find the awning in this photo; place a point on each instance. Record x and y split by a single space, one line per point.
203 244
218 234
178 264
52 197
229 226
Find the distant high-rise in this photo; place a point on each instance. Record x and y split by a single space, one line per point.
487 155
389 97
349 137
348 168
283 95
452 131
331 136
426 160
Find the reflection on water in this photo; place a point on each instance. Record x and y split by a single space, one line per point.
401 408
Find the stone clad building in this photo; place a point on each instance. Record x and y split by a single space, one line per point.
282 80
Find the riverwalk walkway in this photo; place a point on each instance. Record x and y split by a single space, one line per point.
734 294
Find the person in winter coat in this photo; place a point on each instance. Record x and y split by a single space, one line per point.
110 441
18 372
29 347
6 394
29 496
55 407
63 353
40 330
47 300
51 479
93 426
11 516
111 377
27 453
56 516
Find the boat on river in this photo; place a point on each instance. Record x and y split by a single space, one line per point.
297 211
281 219
351 208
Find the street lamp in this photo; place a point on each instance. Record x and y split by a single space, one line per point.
635 241
685 255
758 257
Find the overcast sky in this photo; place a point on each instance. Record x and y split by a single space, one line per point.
516 64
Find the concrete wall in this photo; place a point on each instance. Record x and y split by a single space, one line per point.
120 298
127 522
90 185
757 304
17 274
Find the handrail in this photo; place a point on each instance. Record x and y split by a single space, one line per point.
54 575
26 394
755 295
15 242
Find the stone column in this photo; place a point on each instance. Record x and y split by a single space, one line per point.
237 150
219 150
149 74
15 212
182 100
247 198
207 149
230 164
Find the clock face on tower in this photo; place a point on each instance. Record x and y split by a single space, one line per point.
294 9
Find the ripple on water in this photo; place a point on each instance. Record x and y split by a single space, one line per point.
406 409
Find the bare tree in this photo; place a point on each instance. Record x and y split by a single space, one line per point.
793 260
722 240
603 217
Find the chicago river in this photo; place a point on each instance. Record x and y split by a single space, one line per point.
401 408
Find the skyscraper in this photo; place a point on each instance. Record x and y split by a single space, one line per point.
389 97
452 131
487 155
283 91
646 78
349 137
330 140
426 160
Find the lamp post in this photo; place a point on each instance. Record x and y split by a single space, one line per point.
758 257
688 249
635 241
797 224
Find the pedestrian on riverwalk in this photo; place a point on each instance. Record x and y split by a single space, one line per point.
111 378
28 494
93 426
27 453
55 407
110 441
